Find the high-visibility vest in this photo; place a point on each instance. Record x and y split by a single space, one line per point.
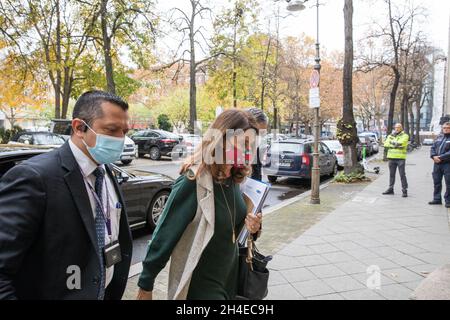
400 151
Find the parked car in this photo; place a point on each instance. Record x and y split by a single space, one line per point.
190 142
293 158
366 143
336 147
145 193
373 137
157 143
38 139
428 142
129 151
327 135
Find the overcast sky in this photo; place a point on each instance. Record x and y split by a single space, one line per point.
332 19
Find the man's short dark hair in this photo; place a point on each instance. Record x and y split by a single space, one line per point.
89 106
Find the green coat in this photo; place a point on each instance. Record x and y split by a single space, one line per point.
397 146
215 275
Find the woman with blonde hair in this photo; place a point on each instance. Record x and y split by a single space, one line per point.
203 216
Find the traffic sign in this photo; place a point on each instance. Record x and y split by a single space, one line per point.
314 98
315 79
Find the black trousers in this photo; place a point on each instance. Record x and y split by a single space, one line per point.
401 165
441 171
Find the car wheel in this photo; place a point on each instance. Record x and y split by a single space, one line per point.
155 154
272 179
126 162
156 208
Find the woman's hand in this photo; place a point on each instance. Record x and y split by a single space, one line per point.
144 295
253 223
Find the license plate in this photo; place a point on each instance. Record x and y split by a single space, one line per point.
285 164
126 158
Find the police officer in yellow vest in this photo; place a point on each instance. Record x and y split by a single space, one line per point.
397 145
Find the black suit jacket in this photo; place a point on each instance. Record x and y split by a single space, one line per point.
47 230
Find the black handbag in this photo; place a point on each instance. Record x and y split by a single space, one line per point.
253 273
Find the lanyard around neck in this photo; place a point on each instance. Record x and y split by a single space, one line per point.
106 213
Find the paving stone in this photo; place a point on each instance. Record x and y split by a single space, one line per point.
363 278
280 262
396 292
405 260
296 251
283 292
344 283
336 257
382 263
323 248
298 275
326 271
363 253
423 269
276 278
347 245
402 275
328 297
352 267
310 261
313 288
365 294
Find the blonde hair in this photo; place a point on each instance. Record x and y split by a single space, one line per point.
205 154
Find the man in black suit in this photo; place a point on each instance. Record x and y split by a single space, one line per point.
64 232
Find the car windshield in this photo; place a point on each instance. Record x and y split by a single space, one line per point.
287 148
48 139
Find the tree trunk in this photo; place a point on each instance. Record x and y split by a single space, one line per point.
109 71
412 126
348 124
418 107
234 65
67 88
263 75
57 86
193 79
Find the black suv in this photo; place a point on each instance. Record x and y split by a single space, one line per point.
157 143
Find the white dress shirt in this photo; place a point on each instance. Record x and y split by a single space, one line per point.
88 166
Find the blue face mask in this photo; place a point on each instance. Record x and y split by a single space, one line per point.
107 149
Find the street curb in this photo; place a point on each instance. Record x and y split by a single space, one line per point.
293 200
305 195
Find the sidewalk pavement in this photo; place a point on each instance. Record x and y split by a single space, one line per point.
336 259
325 251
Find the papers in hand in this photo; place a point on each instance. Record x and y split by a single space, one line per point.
255 193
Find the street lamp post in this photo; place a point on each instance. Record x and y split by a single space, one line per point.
315 174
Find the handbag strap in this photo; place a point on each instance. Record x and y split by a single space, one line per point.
249 259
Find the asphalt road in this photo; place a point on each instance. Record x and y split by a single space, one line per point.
283 190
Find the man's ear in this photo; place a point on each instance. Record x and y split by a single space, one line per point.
78 126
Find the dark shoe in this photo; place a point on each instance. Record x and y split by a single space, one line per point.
447 205
389 192
405 194
435 203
